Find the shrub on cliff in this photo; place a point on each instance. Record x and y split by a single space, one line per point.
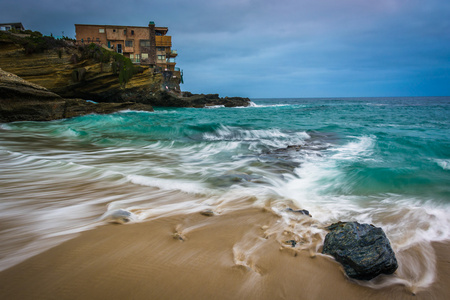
121 65
34 42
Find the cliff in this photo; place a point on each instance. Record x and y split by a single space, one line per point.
70 73
65 72
21 100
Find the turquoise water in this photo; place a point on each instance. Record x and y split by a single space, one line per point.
384 161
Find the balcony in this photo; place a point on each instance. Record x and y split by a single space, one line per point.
128 50
163 41
173 53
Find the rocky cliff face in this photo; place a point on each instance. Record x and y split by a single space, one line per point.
24 101
62 72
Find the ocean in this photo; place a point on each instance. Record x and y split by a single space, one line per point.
383 161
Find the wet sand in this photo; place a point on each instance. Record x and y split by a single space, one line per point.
226 256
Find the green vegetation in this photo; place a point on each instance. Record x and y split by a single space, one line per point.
120 64
33 41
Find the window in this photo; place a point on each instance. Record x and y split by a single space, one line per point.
82 40
89 39
144 55
132 32
97 40
161 48
101 30
128 43
125 31
161 57
114 30
145 43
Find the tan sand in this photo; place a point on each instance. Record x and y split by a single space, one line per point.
225 256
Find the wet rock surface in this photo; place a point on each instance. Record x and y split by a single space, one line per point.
362 249
299 211
21 100
207 212
170 99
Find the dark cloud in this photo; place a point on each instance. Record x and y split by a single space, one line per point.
289 48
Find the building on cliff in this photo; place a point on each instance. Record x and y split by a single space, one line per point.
9 26
143 45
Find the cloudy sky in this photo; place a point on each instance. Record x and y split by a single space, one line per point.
284 48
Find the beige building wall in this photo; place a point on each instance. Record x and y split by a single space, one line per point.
134 42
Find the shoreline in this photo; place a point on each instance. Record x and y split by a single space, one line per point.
194 256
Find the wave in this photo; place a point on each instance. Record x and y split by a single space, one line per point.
170 184
270 137
443 163
215 106
412 224
252 104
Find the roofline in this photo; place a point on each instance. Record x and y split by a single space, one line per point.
13 23
121 26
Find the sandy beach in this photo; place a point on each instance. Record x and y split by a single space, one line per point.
226 256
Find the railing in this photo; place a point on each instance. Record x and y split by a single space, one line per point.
163 41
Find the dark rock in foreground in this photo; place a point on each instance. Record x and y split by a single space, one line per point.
21 100
363 249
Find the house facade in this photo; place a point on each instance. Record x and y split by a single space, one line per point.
9 26
143 45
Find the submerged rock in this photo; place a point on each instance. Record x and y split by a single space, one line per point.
207 212
300 211
292 243
363 249
119 216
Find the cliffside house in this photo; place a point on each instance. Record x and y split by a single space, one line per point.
9 26
143 45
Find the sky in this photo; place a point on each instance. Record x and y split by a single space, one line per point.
279 49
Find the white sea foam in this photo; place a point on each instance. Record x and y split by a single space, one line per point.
252 104
169 184
443 163
361 148
215 106
270 137
410 224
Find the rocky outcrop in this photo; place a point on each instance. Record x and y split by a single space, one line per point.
63 72
24 101
170 99
363 249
